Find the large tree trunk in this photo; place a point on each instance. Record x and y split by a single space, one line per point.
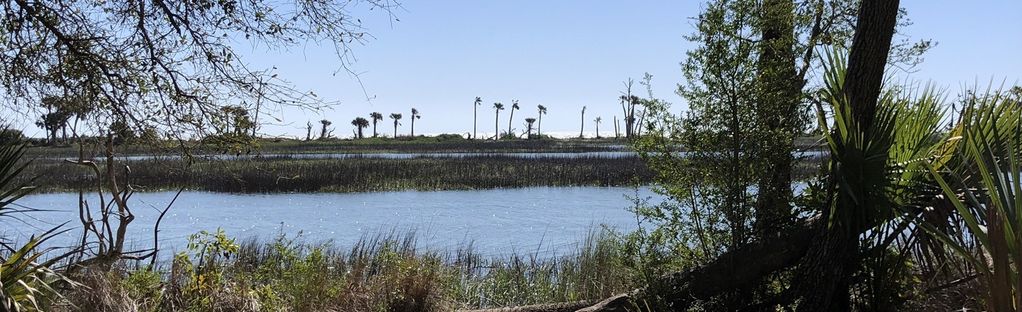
868 57
823 279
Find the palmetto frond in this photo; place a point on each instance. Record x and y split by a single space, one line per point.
981 180
11 190
25 281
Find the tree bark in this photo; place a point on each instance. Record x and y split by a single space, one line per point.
823 279
868 57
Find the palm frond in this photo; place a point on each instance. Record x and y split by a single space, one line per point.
982 183
10 168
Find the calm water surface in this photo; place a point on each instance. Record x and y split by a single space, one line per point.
547 220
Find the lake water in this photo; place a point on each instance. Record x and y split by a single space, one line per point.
547 220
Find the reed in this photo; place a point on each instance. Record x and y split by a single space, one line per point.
358 174
384 272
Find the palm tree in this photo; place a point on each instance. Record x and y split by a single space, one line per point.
360 123
395 117
497 107
598 120
322 133
376 116
528 123
583 128
475 115
514 107
415 115
539 126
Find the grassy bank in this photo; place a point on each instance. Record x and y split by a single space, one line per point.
421 144
355 174
381 273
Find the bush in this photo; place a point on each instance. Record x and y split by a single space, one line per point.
11 136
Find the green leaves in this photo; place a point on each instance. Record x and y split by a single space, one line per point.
10 168
982 182
26 282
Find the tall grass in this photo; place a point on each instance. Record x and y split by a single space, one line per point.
360 174
379 273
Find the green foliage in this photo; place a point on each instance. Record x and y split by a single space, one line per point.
874 170
27 280
980 178
10 136
200 274
144 286
379 273
27 283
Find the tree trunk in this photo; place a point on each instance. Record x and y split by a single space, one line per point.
868 57
616 133
822 282
779 96
496 126
374 127
509 119
53 135
539 127
583 127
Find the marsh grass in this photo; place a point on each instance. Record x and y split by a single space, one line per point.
419 144
385 272
358 174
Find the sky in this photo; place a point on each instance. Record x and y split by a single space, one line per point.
440 55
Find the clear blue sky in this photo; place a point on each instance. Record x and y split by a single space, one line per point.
566 54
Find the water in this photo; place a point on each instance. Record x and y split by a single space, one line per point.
546 220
